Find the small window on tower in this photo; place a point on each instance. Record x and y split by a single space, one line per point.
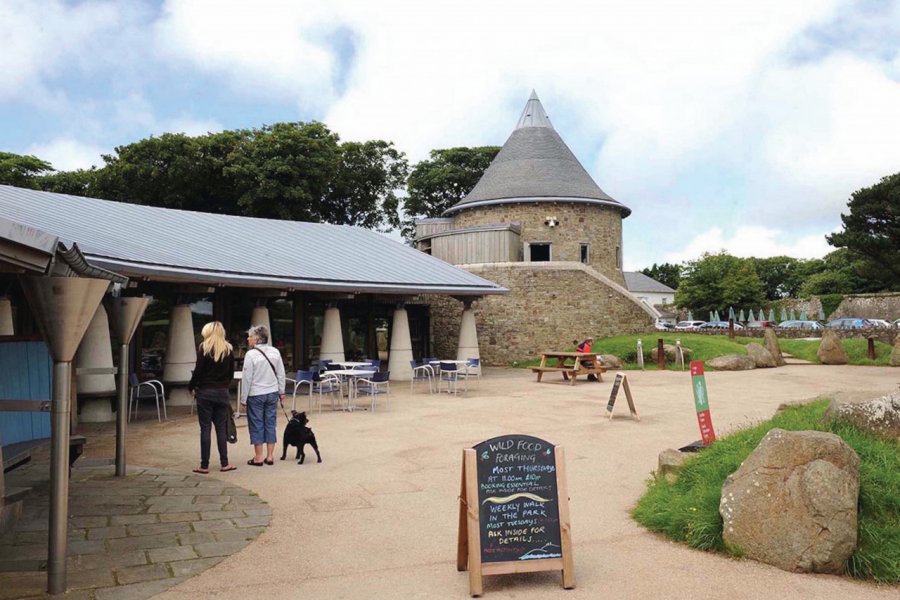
539 252
584 253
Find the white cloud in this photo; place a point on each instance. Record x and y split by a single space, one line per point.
752 241
68 154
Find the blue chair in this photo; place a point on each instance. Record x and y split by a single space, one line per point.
302 378
326 384
423 372
137 391
451 374
378 383
473 369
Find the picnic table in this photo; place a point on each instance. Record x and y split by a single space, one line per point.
561 364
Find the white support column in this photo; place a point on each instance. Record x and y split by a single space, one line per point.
332 338
260 316
181 355
468 335
401 347
6 320
95 352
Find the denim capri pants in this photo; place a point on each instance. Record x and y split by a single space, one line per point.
261 418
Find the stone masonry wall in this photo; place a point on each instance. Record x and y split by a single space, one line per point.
598 226
549 305
873 306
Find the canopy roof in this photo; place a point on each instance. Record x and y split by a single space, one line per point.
535 165
159 244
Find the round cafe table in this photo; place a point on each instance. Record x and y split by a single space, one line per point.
349 364
351 375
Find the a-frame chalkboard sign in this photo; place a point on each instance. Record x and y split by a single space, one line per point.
514 510
621 380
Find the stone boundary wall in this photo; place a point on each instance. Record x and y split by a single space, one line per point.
549 305
887 336
871 306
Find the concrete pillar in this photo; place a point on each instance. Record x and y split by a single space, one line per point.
401 347
95 352
6 320
181 356
468 335
332 339
260 316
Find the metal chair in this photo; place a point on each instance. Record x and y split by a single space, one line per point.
377 384
423 372
135 394
473 369
327 384
302 377
451 374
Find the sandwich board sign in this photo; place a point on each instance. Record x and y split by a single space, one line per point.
701 403
514 510
621 381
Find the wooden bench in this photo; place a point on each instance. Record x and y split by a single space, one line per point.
569 372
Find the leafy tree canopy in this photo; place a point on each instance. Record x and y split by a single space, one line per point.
441 181
665 273
717 281
22 171
871 232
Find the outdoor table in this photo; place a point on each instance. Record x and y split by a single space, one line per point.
349 364
573 370
351 376
462 365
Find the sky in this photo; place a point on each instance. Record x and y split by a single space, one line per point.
724 125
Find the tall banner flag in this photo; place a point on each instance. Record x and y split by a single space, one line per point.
701 403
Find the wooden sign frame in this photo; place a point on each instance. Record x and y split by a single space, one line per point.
621 377
468 550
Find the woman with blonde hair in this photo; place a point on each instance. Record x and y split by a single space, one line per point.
209 383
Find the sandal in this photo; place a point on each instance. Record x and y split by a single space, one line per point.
269 462
201 471
253 463
228 468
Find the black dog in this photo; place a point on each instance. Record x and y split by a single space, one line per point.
298 434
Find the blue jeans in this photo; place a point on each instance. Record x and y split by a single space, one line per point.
261 418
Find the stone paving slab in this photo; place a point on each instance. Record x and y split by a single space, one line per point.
128 538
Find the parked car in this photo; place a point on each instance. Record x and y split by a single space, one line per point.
796 324
760 324
848 323
880 323
663 326
897 323
688 325
719 325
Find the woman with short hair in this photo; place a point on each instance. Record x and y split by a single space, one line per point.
262 388
209 384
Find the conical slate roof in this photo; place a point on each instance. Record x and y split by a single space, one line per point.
535 165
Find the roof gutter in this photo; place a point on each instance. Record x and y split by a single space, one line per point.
525 199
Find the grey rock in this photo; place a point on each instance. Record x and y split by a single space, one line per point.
670 462
879 416
732 362
792 503
773 347
669 353
611 361
831 351
761 357
895 353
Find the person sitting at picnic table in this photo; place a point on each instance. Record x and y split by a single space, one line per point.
585 347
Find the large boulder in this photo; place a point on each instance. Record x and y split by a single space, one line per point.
831 351
879 416
773 347
670 462
669 353
611 361
761 357
731 362
792 502
895 353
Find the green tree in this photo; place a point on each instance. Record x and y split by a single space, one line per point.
871 231
77 183
665 273
782 276
442 180
717 281
22 171
827 282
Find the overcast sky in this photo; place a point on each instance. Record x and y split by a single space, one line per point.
742 125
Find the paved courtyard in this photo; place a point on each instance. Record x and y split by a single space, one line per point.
378 518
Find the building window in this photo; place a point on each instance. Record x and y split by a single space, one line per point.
539 252
618 257
584 254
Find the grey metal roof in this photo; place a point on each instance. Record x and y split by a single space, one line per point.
636 281
178 245
535 165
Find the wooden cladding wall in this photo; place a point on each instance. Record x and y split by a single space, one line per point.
477 247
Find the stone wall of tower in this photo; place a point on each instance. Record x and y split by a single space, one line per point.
578 223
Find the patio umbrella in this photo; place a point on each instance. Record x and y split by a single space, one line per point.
793 317
803 316
730 313
751 316
741 316
771 314
716 316
783 314
690 316
711 317
821 315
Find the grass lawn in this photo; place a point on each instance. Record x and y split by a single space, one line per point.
856 348
688 510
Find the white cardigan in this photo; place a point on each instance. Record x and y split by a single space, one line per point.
257 378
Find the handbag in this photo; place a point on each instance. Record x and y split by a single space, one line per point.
230 426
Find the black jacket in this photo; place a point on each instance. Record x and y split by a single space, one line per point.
211 374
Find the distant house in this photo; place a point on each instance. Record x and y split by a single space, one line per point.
648 290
